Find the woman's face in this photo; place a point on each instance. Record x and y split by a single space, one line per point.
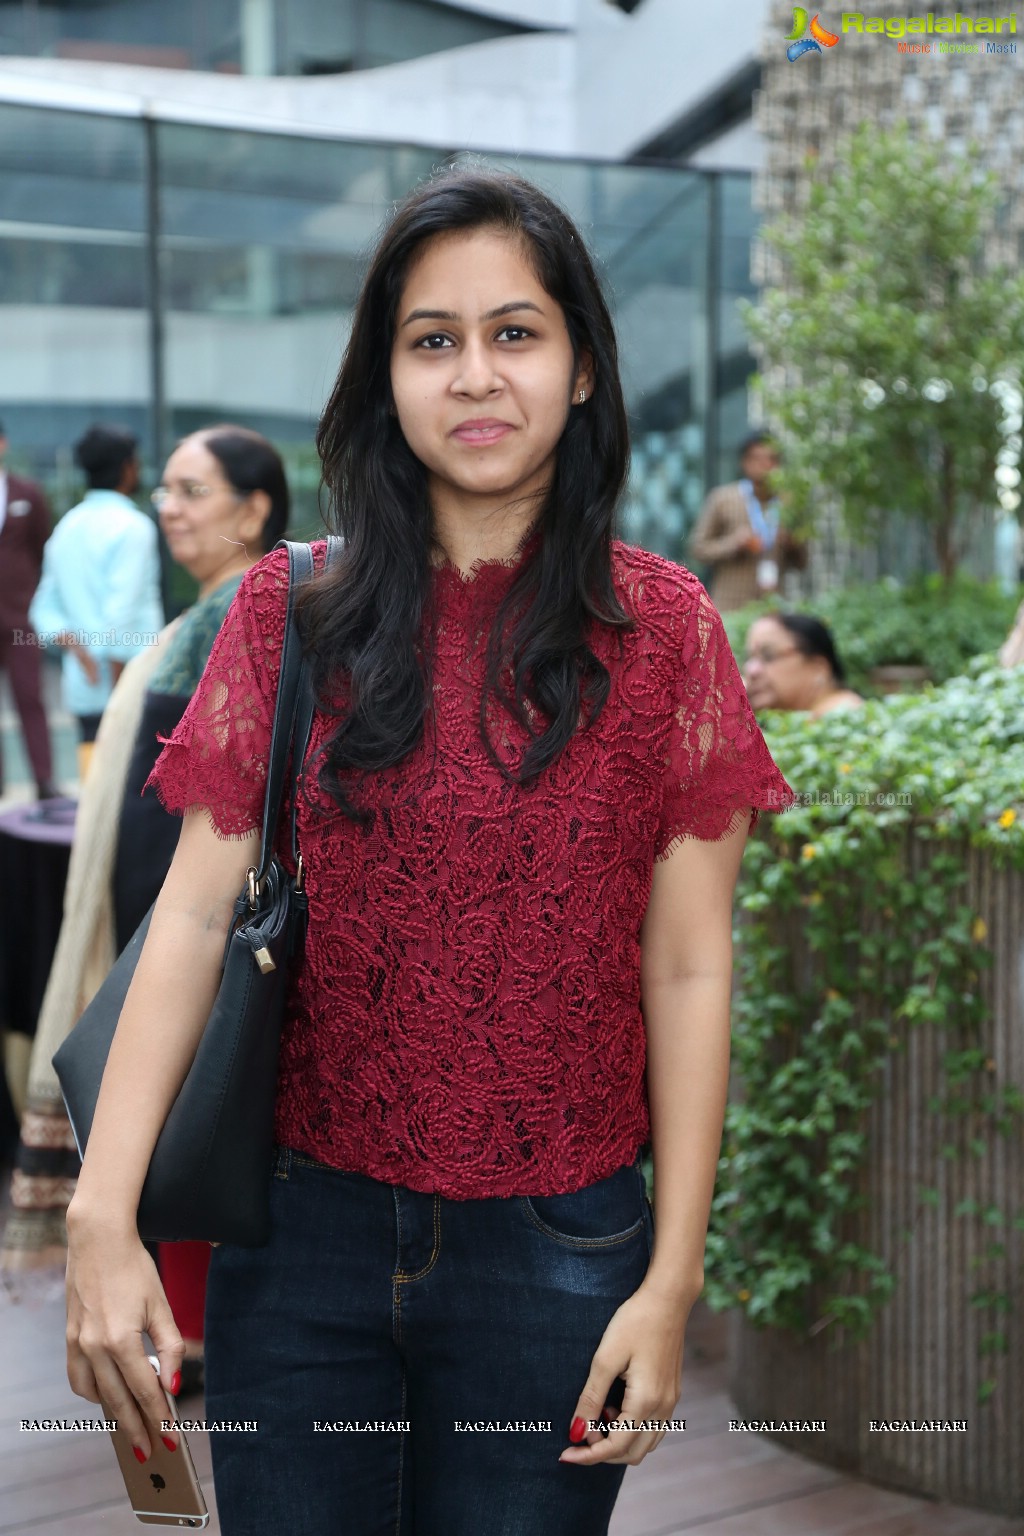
207 524
482 370
776 673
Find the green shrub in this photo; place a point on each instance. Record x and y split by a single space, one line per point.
888 952
922 624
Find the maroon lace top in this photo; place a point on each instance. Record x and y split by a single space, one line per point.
466 1018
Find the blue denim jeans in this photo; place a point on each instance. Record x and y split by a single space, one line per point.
374 1305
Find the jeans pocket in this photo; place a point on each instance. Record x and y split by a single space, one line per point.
601 1215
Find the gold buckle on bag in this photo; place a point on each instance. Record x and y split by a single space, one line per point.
262 956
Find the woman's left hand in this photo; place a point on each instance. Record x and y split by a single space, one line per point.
643 1343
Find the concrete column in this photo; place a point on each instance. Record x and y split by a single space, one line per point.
259 53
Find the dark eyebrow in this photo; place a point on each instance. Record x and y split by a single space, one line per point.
492 314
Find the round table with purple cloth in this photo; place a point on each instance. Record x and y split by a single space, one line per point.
35 846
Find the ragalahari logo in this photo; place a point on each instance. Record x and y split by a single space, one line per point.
818 39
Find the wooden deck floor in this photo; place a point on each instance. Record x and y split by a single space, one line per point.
708 1481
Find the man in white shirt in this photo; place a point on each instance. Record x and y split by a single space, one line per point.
99 597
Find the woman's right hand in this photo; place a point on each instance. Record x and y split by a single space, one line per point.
113 1294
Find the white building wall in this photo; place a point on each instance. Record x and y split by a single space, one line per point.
740 148
636 79
513 94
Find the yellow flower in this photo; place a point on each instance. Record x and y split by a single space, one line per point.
844 768
1008 817
743 1295
808 851
979 930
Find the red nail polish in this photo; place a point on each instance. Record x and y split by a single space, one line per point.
577 1430
175 1383
140 1454
168 1442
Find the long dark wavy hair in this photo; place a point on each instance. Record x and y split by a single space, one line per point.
364 618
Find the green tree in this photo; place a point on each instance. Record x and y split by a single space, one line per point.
891 356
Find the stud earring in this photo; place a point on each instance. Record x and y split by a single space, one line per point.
583 396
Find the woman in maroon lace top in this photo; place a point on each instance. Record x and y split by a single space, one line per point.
532 772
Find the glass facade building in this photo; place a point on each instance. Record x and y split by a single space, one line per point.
168 275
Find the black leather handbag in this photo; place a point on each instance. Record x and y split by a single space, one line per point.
209 1174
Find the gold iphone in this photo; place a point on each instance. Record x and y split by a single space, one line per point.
165 1489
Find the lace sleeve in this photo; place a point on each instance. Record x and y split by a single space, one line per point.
217 755
718 769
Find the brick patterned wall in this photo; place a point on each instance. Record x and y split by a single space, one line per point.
963 99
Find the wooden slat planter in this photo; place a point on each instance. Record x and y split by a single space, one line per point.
920 1360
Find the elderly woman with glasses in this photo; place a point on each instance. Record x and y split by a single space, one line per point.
791 662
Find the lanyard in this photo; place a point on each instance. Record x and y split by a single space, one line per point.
763 520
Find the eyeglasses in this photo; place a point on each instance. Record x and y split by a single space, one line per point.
187 492
767 657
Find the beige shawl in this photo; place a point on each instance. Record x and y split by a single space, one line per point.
34 1234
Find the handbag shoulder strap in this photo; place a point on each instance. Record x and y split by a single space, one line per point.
293 683
304 715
